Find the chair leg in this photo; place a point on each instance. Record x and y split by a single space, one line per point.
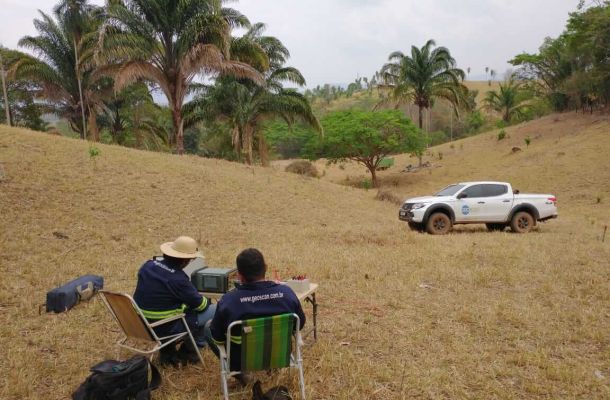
301 380
193 342
224 370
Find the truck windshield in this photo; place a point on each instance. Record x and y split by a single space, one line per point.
450 190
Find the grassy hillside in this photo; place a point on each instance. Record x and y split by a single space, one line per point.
402 316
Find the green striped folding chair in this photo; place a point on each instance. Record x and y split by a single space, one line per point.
266 343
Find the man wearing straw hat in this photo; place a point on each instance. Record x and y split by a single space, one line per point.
164 290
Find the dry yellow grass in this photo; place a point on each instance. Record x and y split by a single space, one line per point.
472 315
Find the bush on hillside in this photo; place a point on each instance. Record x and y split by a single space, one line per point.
386 195
302 167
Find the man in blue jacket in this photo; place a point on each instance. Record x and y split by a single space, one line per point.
254 297
164 290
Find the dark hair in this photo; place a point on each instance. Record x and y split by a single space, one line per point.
178 263
251 265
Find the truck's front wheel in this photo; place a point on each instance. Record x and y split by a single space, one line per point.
438 224
522 222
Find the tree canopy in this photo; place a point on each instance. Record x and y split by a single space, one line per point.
367 137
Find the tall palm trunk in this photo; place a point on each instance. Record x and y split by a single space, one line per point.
248 133
236 141
80 91
421 126
94 133
263 150
178 127
4 92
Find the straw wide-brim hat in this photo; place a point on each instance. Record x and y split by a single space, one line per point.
182 247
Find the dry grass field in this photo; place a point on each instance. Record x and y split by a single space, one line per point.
471 315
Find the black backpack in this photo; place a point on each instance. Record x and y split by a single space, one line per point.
119 380
275 393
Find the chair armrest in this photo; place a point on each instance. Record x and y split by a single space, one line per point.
166 320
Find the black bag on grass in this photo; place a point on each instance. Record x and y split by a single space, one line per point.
275 393
119 380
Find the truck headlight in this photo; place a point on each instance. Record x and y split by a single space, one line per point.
418 206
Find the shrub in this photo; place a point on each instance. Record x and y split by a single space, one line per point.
386 195
366 184
438 137
528 140
93 152
502 135
302 167
501 124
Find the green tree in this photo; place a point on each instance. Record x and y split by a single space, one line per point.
131 118
63 68
246 106
367 137
169 43
427 74
510 100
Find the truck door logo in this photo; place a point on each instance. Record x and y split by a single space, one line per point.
465 209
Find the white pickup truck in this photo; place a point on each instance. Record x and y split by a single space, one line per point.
491 203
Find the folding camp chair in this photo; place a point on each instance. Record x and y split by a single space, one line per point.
266 343
131 320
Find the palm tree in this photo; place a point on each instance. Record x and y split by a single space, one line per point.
4 91
63 70
427 74
246 106
169 43
509 100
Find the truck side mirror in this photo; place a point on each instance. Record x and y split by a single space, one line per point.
462 196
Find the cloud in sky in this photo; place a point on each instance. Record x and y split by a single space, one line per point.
333 41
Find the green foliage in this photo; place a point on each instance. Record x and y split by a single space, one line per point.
24 111
64 46
572 71
501 124
501 135
438 137
366 137
246 106
509 100
474 122
289 141
366 184
425 75
171 44
528 140
93 152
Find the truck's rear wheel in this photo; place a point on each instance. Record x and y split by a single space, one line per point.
495 227
438 224
522 222
416 226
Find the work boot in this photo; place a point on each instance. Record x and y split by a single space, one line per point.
168 356
187 354
244 378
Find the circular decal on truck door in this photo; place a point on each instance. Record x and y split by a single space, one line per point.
465 209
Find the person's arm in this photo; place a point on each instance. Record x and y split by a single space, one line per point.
218 326
188 294
300 313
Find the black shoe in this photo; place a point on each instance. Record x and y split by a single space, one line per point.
187 354
168 356
244 378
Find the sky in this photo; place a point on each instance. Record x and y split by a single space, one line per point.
335 41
